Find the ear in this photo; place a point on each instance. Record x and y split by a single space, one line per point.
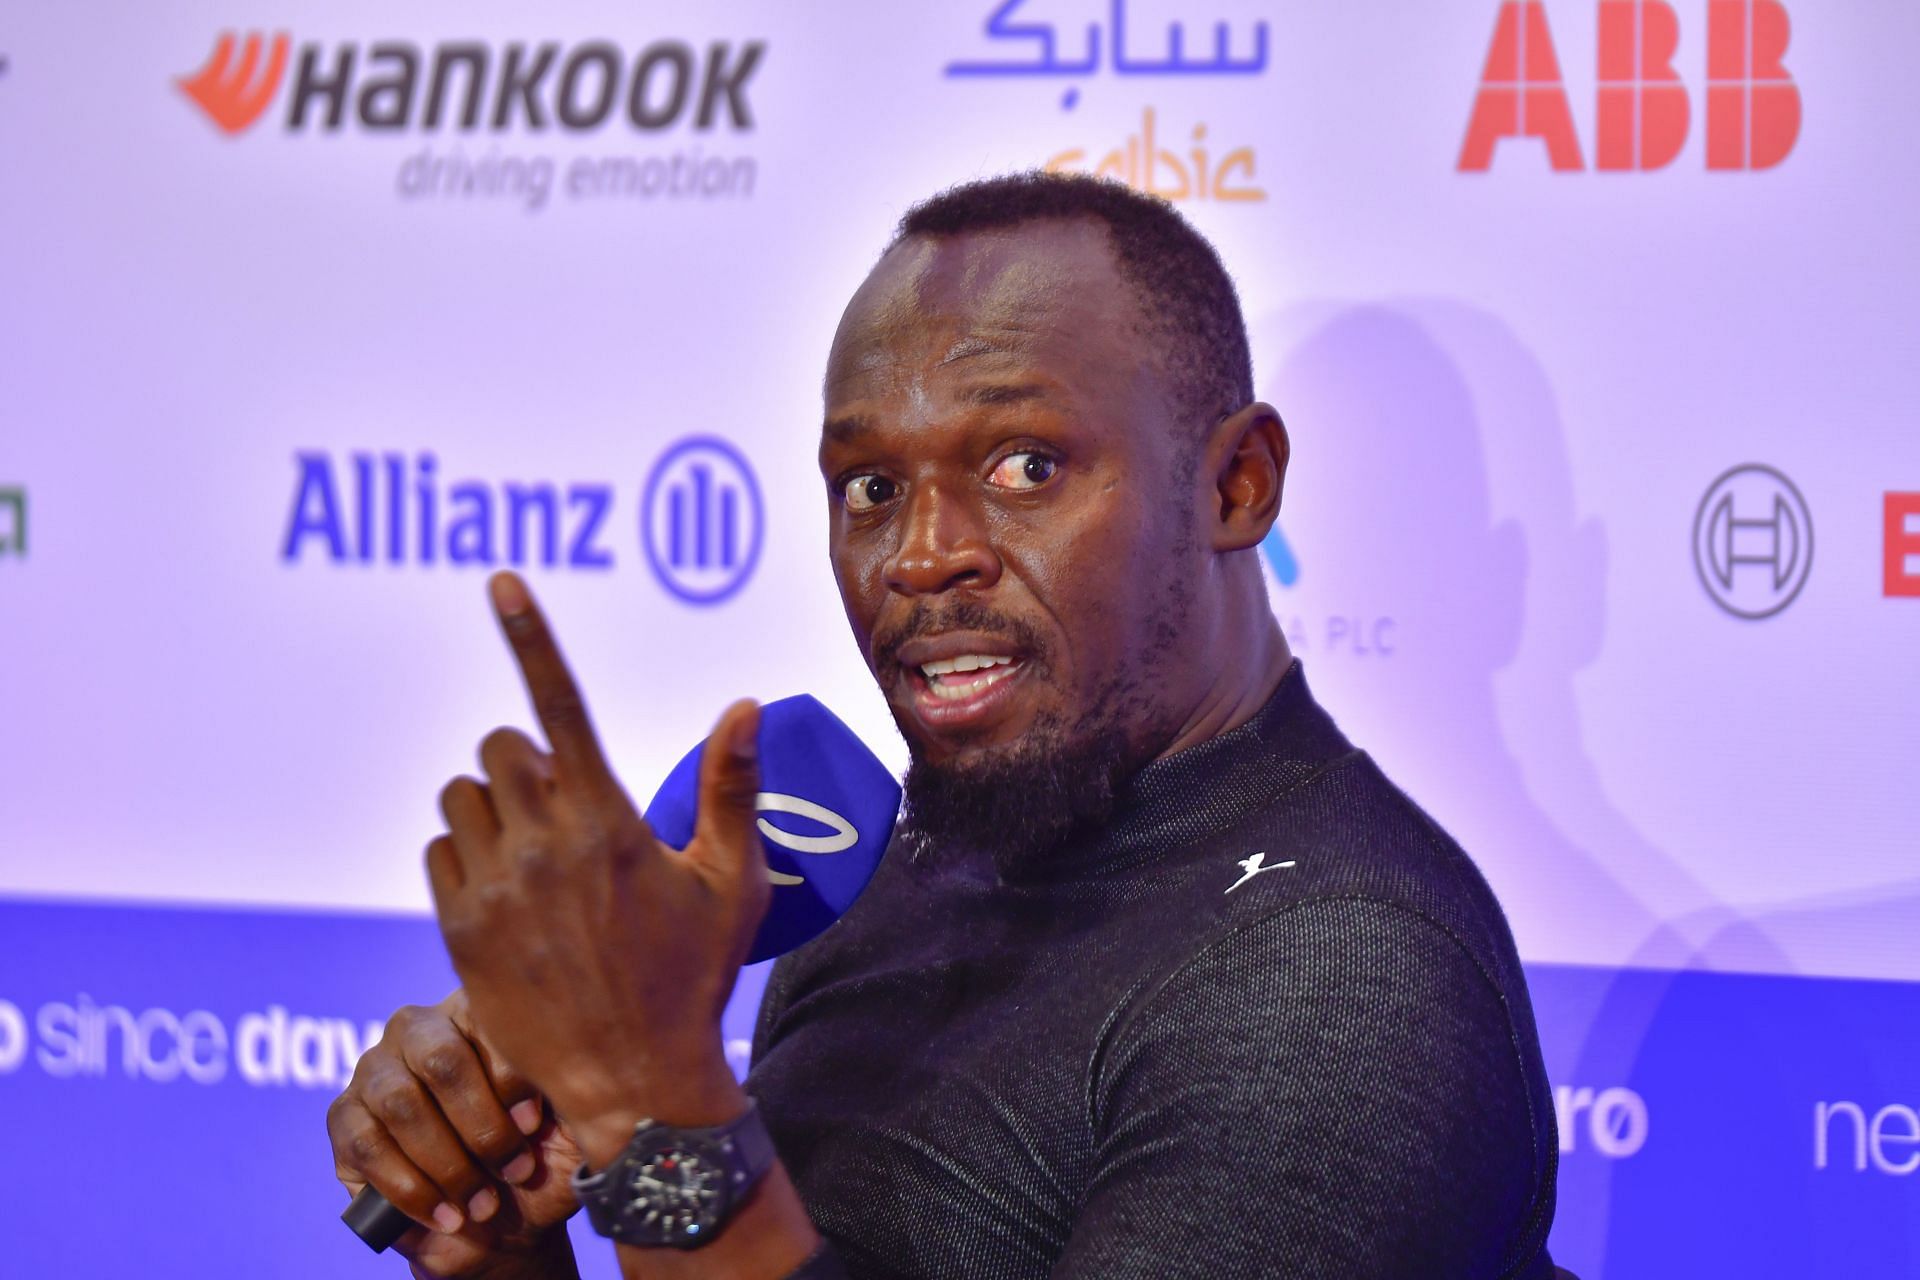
1247 458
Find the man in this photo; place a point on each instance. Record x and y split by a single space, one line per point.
1159 977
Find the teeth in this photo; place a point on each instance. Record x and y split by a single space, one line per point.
952 690
964 662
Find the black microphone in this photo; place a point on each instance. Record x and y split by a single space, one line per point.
835 804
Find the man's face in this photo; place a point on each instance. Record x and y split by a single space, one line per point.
1008 529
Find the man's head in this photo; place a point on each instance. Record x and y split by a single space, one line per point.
1041 452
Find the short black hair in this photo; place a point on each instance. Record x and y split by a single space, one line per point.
1186 297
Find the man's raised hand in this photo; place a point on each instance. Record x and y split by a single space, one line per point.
597 959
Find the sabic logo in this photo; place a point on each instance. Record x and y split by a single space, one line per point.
1142 162
397 85
1753 541
1159 165
235 96
1643 110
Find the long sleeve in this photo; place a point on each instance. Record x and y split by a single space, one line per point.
1333 1089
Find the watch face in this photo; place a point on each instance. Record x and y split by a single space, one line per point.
676 1195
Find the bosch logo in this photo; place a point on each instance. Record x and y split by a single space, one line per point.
1753 541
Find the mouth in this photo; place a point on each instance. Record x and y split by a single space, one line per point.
960 682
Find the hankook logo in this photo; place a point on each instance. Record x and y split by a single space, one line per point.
482 120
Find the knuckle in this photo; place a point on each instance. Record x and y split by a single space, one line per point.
562 708
399 1106
443 1066
363 1147
340 1112
535 863
492 1142
492 900
404 1019
465 934
502 743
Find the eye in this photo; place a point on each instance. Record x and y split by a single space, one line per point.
1025 470
865 492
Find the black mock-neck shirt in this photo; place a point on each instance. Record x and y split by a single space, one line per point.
1269 1021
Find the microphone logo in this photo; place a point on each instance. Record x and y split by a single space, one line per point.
843 836
233 96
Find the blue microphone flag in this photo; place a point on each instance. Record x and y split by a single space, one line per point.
826 811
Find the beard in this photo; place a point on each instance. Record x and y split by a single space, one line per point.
1017 802
1066 776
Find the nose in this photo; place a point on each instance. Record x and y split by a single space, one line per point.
943 546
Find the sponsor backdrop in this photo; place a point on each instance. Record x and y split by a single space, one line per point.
1592 320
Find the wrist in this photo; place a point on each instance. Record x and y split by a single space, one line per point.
689 1101
548 1256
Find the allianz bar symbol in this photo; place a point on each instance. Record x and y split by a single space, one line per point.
690 508
701 520
13 522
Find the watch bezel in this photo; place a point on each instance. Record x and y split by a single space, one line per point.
741 1150
630 1208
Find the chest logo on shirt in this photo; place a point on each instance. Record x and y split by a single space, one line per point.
1253 866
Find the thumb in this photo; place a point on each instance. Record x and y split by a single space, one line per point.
725 830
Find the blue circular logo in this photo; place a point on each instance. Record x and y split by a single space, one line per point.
702 520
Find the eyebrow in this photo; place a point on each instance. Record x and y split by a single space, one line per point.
849 427
1004 392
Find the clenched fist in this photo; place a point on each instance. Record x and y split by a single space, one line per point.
449 1132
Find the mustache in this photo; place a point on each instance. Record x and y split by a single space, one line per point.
958 615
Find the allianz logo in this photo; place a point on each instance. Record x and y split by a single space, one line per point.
1613 1121
842 835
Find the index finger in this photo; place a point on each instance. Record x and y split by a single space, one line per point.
557 703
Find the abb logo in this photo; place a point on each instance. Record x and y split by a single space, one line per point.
1643 110
234 96
1900 574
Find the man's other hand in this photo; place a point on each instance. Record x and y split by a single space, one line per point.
598 959
459 1141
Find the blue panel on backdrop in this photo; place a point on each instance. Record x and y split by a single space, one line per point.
1733 1125
168 1072
196 1145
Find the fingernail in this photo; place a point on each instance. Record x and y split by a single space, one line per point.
448 1217
526 1115
746 740
484 1204
518 1169
509 594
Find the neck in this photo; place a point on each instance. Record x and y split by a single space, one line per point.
1234 690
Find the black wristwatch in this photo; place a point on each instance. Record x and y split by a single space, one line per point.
676 1187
